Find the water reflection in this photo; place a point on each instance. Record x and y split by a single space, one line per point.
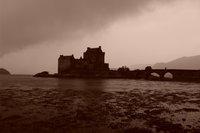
87 102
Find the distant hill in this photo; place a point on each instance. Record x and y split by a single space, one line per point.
139 66
192 62
4 72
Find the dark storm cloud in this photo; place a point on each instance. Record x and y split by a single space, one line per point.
30 22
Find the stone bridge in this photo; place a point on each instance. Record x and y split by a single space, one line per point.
177 74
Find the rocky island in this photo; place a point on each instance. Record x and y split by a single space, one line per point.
92 65
4 72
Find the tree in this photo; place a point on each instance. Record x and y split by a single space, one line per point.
123 69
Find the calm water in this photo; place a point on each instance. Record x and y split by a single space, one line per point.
29 104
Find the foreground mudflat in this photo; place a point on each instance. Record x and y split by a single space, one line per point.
48 105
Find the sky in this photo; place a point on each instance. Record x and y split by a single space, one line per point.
33 33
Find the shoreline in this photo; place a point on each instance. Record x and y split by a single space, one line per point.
152 78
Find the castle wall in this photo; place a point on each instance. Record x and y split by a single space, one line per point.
95 57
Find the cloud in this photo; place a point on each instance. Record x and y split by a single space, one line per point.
30 22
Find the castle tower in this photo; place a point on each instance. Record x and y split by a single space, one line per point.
65 64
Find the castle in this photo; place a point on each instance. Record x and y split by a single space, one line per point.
93 62
92 65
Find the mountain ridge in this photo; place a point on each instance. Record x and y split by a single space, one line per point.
191 62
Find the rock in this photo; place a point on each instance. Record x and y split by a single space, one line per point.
42 74
189 126
4 72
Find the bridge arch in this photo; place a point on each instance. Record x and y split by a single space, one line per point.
155 74
168 75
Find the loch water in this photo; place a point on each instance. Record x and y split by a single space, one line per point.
29 104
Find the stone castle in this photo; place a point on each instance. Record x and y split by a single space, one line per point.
92 65
93 62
